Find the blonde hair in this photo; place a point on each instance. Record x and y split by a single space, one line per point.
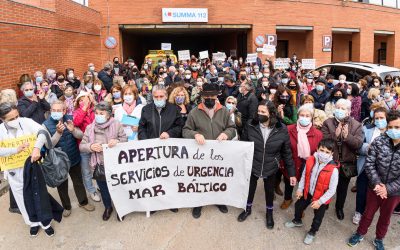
231 98
8 95
175 92
373 93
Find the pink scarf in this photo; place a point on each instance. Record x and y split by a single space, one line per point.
303 145
110 131
129 108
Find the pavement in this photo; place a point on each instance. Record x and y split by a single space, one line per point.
166 230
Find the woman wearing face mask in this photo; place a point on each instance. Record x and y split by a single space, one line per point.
293 72
104 130
388 81
396 84
336 94
180 97
195 97
319 115
362 85
295 92
347 133
262 90
308 83
370 132
236 116
82 117
72 79
304 140
116 92
33 105
283 102
100 92
389 101
58 86
146 89
147 69
131 107
271 145
49 96
377 83
87 84
69 99
353 94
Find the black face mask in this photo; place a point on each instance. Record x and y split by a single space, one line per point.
242 77
142 75
263 118
209 103
283 99
336 98
292 87
60 79
116 62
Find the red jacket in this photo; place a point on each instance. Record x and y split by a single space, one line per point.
82 119
314 137
323 179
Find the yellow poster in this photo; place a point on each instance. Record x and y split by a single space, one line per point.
16 160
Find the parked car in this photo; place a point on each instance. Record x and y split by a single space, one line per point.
354 71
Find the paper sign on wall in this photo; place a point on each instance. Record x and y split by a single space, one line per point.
165 46
308 63
183 55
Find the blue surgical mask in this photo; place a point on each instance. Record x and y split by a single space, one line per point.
229 106
381 123
393 133
28 93
56 115
324 157
159 103
340 114
304 121
100 119
117 95
179 100
39 79
319 88
387 95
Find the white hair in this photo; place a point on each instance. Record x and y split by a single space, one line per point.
343 102
343 76
49 72
38 73
157 88
309 107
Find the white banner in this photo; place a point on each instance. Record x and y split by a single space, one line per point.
165 46
183 55
219 56
282 63
203 54
268 50
160 174
251 58
186 15
308 63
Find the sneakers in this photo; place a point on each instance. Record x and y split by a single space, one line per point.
88 207
378 244
66 212
34 231
355 239
286 204
49 232
95 197
356 218
309 239
292 224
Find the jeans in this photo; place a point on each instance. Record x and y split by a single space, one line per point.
87 173
105 194
386 208
362 188
269 185
76 177
319 213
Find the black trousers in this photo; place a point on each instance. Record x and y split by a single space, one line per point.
288 189
269 185
319 213
341 191
79 188
13 203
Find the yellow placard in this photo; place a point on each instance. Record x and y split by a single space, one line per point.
16 160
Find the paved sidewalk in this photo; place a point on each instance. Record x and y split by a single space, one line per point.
166 230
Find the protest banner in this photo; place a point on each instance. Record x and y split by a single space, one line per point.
183 55
166 46
308 63
251 58
268 50
203 54
157 174
219 56
16 160
282 63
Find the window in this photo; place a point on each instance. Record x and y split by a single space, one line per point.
83 2
282 50
349 72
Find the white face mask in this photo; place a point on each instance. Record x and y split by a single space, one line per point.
342 81
91 68
128 98
199 84
97 87
309 80
13 123
273 91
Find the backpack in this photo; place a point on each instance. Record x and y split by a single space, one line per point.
55 165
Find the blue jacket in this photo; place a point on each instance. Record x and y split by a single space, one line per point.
368 131
67 141
320 100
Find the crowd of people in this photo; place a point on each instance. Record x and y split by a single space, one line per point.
308 128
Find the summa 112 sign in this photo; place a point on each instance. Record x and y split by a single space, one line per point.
185 15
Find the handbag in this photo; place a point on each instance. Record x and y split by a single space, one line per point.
99 172
56 164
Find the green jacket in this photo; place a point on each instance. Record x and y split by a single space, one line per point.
198 122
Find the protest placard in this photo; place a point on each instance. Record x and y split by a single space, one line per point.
308 63
282 63
183 55
160 174
203 54
16 160
251 58
166 46
268 50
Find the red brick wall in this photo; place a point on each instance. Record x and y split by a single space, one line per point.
34 38
323 15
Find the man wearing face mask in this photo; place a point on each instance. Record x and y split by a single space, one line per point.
194 69
117 67
320 94
131 71
209 121
172 76
342 83
105 75
242 77
285 79
65 135
247 103
348 136
31 105
229 88
213 73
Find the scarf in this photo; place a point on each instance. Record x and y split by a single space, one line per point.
110 131
303 145
129 108
69 103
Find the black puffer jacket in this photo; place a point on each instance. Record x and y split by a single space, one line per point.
383 164
152 123
247 106
267 156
